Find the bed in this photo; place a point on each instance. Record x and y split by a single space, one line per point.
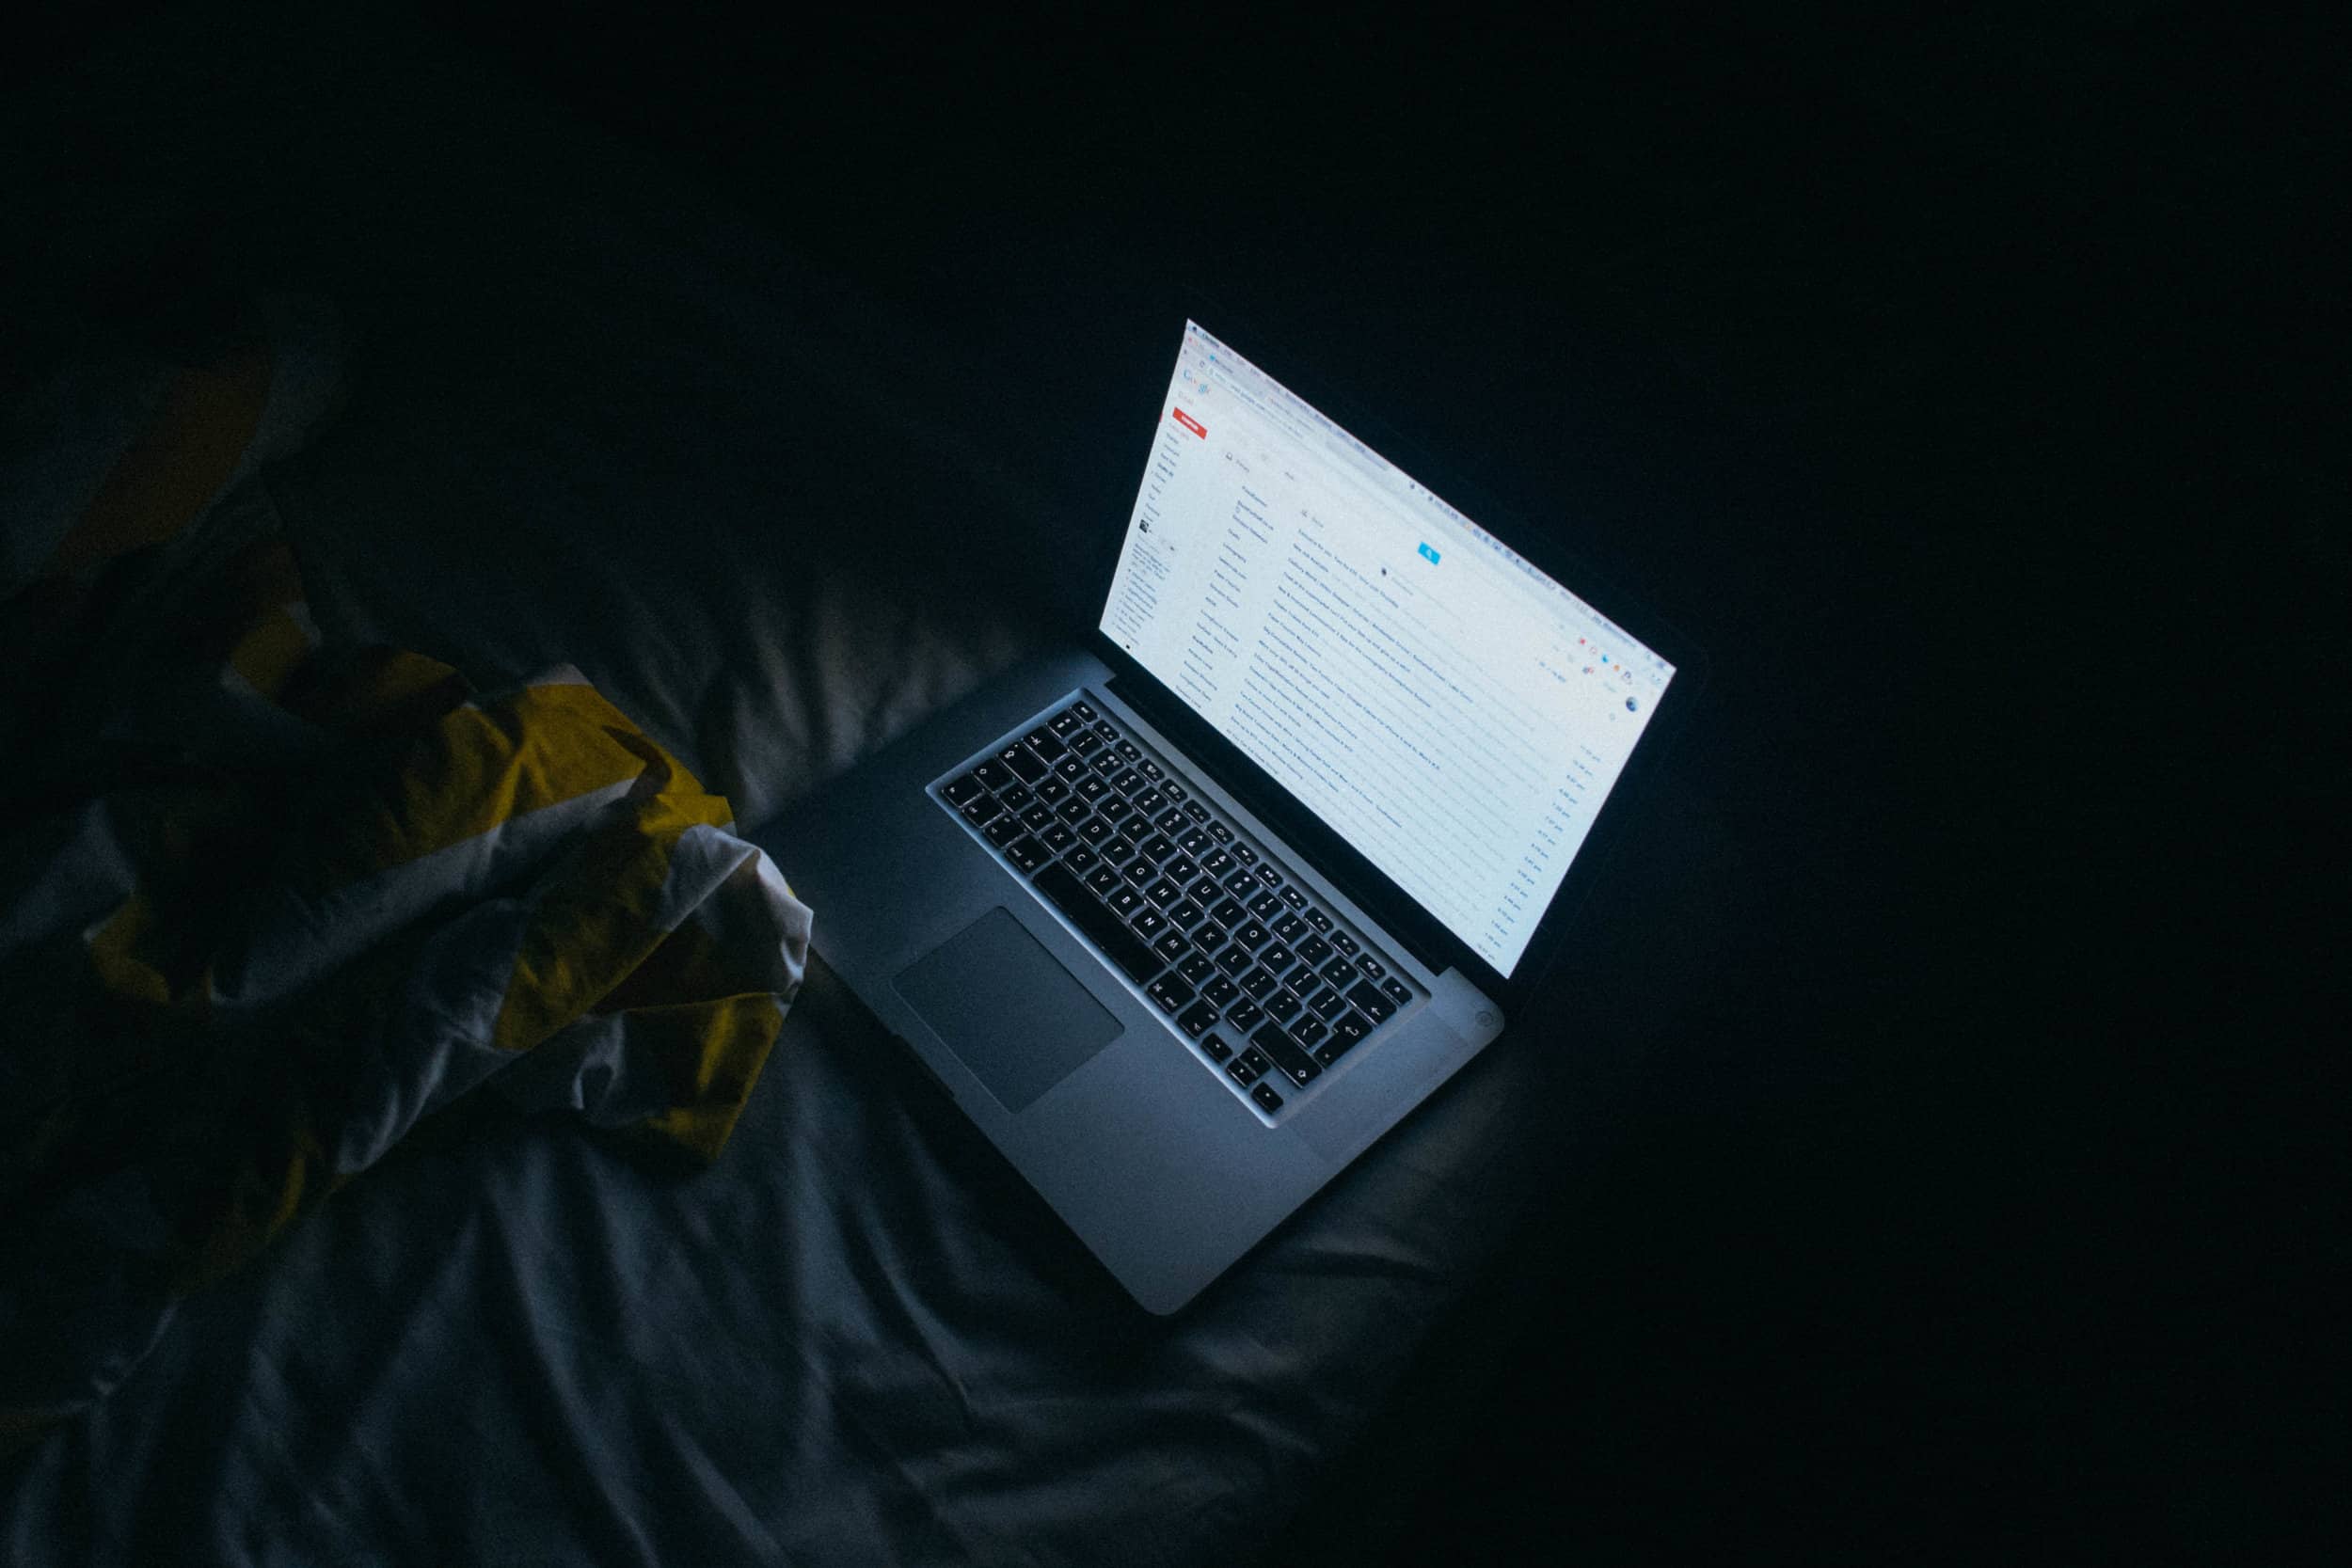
556 407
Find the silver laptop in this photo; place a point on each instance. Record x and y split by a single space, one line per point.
1186 917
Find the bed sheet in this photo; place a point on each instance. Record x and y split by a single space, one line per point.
595 419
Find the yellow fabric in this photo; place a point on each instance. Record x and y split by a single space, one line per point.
173 470
318 894
715 1051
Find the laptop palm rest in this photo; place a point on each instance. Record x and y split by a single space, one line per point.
1007 1007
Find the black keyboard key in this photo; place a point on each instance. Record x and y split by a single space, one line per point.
1264 1094
1270 876
1072 810
1037 816
1209 936
1123 901
1371 1003
1106 729
1340 973
1372 967
1215 1048
1192 809
1085 743
1290 929
1196 967
1071 768
1192 841
1250 934
1148 923
1315 949
1107 763
1217 862
1003 831
1058 838
1117 851
1344 942
1063 722
1114 808
1276 958
1294 898
965 788
1054 791
1164 893
1242 1070
1091 788
1320 921
1081 860
1100 880
1284 1005
1044 743
1331 1049
1150 803
1296 1064
1245 1014
981 810
1185 914
1236 958
1016 796
1094 829
995 774
1259 984
1196 1020
1127 781
1159 846
1140 871
1129 750
1175 791
1245 854
1025 852
1171 821
1084 710
1181 867
1170 993
1398 993
1327 1003
1350 1026
1152 770
1266 906
1241 884
1063 890
1220 833
1228 913
1221 991
1024 762
1204 891
1311 1032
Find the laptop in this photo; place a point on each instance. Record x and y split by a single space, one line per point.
1187 916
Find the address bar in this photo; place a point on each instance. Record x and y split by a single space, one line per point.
1385 477
1290 424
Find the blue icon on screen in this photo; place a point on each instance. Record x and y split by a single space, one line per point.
1630 704
1430 553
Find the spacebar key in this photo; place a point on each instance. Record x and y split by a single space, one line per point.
1062 888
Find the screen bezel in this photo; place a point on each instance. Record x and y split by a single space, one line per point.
1348 869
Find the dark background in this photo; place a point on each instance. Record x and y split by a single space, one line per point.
1965 387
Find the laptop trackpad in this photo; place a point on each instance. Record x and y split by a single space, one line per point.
1007 1007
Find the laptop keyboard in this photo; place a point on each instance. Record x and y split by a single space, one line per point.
1261 981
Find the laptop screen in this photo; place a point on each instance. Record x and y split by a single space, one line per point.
1452 712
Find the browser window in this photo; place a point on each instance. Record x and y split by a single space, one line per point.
1453 713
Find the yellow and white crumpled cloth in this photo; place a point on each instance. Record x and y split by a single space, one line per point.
265 906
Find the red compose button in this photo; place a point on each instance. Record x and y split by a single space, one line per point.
1192 424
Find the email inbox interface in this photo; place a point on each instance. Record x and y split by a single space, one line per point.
1457 716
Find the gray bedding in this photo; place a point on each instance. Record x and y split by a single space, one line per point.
594 420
